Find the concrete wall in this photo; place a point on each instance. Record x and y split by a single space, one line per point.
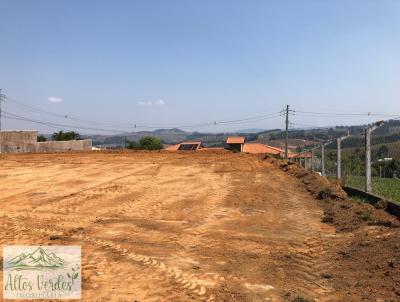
64 146
18 141
26 141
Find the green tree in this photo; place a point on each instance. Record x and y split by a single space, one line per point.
132 145
65 136
386 169
41 138
150 143
383 152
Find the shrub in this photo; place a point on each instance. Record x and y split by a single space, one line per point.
150 143
132 145
65 136
41 138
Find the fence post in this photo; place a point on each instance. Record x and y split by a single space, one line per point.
338 165
368 179
323 160
312 159
368 186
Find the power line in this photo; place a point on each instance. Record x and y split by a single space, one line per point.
146 126
14 116
65 116
183 126
59 125
333 114
312 126
1 137
2 97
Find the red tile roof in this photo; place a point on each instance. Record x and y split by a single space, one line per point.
173 147
256 148
235 140
302 155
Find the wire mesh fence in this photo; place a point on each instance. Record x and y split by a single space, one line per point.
353 161
365 157
385 160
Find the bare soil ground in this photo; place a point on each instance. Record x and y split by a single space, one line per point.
200 226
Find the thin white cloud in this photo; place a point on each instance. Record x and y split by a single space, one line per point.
142 103
54 99
151 103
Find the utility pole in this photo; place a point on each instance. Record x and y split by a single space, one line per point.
1 100
323 160
368 131
287 132
1 136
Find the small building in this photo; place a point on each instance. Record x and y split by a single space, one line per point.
257 148
236 143
186 146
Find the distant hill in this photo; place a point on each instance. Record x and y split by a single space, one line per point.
298 138
251 130
167 136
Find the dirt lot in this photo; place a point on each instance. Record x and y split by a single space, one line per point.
202 226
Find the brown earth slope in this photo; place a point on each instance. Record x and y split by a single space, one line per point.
205 226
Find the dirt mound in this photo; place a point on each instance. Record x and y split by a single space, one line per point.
347 215
366 262
368 269
340 211
317 185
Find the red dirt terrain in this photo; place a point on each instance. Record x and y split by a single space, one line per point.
200 226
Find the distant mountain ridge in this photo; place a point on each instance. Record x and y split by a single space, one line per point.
168 136
298 138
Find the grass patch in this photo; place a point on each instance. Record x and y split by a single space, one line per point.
359 199
386 187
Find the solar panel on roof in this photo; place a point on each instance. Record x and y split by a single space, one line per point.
188 147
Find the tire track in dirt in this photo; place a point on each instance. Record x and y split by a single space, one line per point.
198 229
308 251
186 281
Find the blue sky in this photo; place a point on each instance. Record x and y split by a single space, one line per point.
171 63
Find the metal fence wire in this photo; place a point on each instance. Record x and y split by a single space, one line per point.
365 157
